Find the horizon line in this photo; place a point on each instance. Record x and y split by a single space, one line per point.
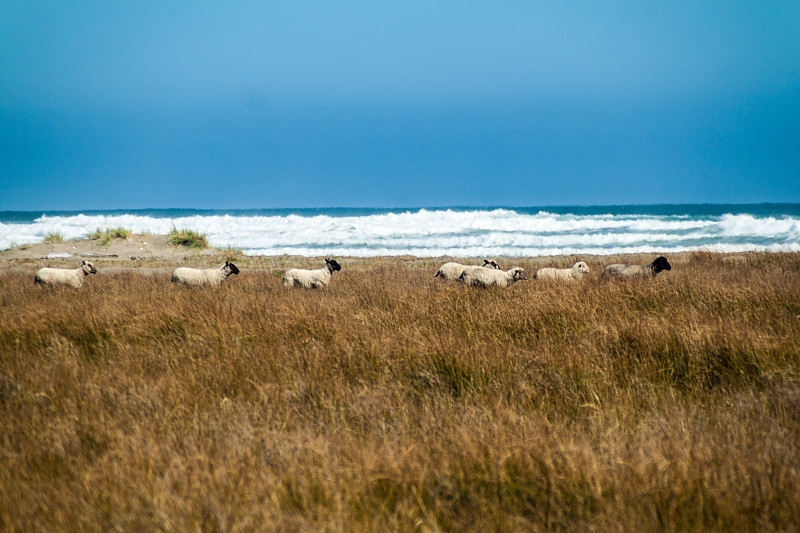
419 207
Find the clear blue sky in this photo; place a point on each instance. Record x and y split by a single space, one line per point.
142 104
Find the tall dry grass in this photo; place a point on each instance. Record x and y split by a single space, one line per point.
393 401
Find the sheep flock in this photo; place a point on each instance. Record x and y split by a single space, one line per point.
489 274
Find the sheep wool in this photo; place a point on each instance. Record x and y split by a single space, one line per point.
488 277
311 279
575 273
73 277
624 271
199 277
453 271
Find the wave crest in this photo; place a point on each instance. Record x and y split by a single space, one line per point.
439 232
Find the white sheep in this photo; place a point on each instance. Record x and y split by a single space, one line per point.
65 276
204 276
637 271
575 273
487 277
453 271
311 279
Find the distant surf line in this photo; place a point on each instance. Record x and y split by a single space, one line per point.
461 232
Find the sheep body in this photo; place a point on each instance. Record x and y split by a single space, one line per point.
452 271
204 276
625 271
575 273
73 277
488 277
311 279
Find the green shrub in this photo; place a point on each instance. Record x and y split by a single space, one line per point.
187 238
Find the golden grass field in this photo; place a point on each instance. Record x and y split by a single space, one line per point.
391 401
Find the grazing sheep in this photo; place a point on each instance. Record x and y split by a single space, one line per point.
486 277
575 273
311 279
65 276
453 271
204 276
637 271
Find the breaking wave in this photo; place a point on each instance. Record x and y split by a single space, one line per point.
435 232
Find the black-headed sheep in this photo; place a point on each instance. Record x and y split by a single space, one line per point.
204 276
311 279
637 271
452 271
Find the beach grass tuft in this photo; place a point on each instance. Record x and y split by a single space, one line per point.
110 234
53 238
187 238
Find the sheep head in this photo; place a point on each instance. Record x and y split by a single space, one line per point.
660 264
519 274
580 266
332 265
88 268
232 267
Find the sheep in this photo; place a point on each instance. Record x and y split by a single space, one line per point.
204 276
452 271
65 276
490 264
637 271
486 277
311 279
575 273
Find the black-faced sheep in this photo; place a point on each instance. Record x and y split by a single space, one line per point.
637 271
452 271
204 276
311 279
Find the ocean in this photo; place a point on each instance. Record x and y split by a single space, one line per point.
432 232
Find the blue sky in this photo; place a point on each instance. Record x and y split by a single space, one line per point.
313 104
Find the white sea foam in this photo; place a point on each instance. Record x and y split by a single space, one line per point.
768 227
422 233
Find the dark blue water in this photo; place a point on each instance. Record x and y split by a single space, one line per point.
691 210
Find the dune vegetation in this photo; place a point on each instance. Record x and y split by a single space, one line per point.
108 235
53 238
188 238
394 401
